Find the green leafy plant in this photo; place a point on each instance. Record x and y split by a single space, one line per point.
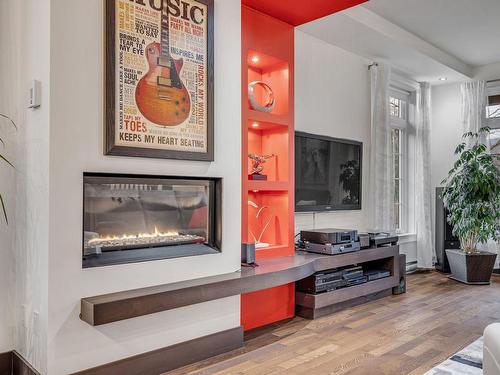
4 159
472 193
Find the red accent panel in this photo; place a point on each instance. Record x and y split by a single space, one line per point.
298 12
267 306
268 55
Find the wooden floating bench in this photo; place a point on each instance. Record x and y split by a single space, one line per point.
113 307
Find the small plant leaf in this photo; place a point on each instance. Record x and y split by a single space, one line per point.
460 148
8 162
468 135
4 210
10 120
2 204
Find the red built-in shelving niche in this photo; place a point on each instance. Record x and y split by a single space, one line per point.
268 55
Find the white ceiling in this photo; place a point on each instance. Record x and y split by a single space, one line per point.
467 29
427 39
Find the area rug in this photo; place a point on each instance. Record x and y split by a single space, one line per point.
468 361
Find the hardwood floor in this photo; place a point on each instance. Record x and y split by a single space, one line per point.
405 334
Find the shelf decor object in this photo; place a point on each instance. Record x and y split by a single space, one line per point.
267 79
265 224
159 90
258 167
267 103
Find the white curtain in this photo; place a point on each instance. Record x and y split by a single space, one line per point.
381 169
423 191
474 101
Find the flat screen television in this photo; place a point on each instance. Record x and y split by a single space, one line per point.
327 173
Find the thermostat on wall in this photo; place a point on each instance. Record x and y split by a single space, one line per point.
34 99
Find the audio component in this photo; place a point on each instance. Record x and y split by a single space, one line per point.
325 281
378 239
248 254
354 276
331 249
377 274
364 240
444 238
329 236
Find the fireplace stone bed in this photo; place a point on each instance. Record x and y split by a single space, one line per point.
148 254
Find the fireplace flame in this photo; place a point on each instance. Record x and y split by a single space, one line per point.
124 237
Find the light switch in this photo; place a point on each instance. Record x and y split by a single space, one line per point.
34 95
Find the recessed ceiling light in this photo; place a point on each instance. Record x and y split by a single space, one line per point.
255 59
255 125
443 78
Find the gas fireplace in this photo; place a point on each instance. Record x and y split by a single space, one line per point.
130 218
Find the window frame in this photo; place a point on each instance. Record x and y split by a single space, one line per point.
492 88
402 124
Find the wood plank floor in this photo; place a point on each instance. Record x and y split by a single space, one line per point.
406 334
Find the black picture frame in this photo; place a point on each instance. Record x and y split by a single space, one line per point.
110 148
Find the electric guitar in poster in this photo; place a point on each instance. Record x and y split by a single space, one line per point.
161 95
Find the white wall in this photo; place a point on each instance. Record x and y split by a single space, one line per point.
60 43
332 97
25 55
446 121
8 106
76 146
446 134
446 129
32 237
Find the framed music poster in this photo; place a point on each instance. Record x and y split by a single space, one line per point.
159 79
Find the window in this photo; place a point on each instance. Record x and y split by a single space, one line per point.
495 144
493 104
396 139
398 110
493 108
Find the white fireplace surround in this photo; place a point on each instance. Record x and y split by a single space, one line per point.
60 43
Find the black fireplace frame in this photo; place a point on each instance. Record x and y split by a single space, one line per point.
215 210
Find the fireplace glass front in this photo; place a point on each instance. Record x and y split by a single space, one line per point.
130 219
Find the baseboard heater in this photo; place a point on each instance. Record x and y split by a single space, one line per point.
411 266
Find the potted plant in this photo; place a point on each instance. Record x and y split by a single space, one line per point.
4 159
472 196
